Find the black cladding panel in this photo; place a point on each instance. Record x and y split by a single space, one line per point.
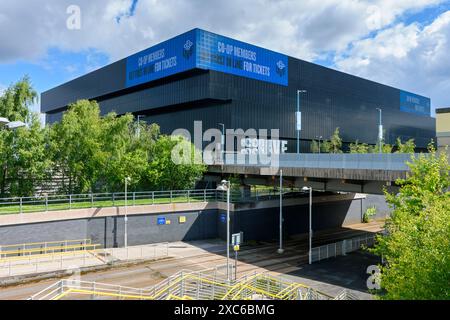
333 99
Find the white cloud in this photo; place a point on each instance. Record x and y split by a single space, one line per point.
412 57
303 29
409 56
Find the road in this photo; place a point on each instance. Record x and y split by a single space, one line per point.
200 255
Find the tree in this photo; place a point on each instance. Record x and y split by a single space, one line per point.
335 143
168 173
314 146
359 147
17 99
416 247
29 161
24 158
126 151
78 149
407 147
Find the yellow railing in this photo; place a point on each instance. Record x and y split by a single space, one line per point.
190 286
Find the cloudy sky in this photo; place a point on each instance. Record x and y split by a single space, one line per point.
402 43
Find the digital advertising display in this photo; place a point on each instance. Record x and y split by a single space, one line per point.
205 50
413 103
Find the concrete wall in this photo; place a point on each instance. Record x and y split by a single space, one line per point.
263 224
109 231
259 221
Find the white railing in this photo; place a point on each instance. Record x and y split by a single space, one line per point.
341 248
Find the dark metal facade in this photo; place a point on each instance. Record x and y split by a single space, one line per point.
333 99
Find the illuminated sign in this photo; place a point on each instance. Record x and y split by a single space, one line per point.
413 103
205 50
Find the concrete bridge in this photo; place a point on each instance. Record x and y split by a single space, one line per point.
360 173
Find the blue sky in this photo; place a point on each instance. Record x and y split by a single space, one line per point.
401 43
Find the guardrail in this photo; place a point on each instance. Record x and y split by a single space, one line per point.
70 260
341 248
117 199
190 285
370 161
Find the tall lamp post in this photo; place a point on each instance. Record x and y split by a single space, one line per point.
280 249
225 186
139 116
380 131
222 142
320 138
127 179
310 222
298 117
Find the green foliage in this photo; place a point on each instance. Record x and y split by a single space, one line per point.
175 164
407 147
359 147
370 212
89 152
335 143
417 245
16 100
314 146
24 161
385 148
78 148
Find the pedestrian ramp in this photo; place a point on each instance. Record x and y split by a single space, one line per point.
188 285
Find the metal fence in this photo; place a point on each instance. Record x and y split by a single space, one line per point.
341 248
371 161
69 260
98 200
191 285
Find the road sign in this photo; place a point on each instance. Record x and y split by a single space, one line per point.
161 221
237 238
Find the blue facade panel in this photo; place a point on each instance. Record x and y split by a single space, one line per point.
413 103
215 52
205 50
167 58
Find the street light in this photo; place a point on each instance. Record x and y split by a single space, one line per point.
320 138
11 124
299 119
222 142
127 179
225 186
380 131
3 121
280 249
310 222
139 127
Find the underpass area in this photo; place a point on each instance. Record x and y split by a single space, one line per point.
258 257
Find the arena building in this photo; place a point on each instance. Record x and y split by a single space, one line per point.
225 83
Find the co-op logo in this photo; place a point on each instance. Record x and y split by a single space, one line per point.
281 68
188 49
